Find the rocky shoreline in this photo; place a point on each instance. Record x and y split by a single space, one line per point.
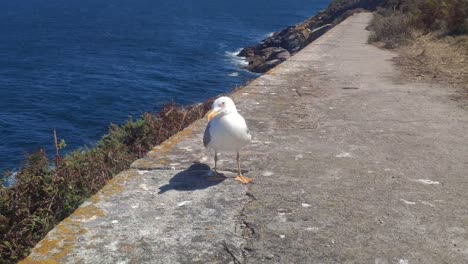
282 45
287 42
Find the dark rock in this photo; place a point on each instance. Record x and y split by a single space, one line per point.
270 53
293 42
266 66
247 52
273 62
283 55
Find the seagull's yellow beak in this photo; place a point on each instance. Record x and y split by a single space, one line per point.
212 114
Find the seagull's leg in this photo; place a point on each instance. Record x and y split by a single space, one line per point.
216 162
238 164
216 176
241 177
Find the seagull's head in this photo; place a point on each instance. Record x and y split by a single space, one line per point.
222 106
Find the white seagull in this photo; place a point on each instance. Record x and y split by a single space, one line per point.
226 132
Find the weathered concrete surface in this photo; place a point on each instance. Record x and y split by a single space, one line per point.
351 165
157 216
362 167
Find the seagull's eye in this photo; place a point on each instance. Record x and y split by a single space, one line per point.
223 103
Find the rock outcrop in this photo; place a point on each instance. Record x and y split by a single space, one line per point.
281 45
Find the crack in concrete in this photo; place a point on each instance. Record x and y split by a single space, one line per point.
231 253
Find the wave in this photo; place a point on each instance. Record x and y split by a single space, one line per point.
10 179
270 34
236 60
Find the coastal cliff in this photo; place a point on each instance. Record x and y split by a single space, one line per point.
287 42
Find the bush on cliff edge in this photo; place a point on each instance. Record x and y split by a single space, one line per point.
42 196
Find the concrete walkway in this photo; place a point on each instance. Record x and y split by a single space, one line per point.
350 163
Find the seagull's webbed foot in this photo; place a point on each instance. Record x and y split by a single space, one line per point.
241 178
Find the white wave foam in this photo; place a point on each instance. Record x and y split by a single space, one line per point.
233 53
270 34
10 179
236 60
233 74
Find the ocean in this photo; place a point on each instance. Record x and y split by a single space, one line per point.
78 65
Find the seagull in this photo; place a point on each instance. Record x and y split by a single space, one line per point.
226 132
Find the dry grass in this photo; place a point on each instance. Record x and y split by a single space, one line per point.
430 36
396 21
441 59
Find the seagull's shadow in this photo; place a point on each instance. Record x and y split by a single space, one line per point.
193 178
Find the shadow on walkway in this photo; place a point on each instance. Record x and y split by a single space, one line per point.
193 178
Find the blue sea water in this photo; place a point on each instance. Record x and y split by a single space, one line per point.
78 65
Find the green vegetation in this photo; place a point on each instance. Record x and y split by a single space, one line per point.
397 22
42 196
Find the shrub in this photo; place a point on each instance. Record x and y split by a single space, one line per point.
42 197
391 28
394 22
447 16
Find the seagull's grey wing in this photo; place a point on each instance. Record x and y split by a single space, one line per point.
207 135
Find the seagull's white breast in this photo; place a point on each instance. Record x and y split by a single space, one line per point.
229 133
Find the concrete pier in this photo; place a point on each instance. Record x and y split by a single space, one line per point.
351 164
